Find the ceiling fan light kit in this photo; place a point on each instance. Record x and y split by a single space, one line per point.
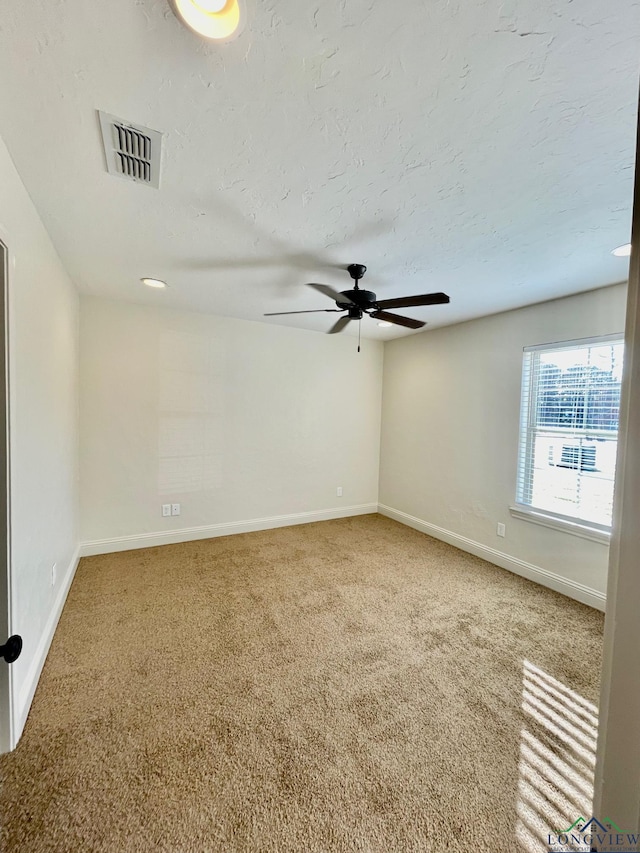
357 302
217 20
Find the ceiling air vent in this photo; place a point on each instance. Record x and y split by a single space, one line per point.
131 151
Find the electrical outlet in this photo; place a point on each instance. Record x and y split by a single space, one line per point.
501 531
175 509
166 510
339 491
54 574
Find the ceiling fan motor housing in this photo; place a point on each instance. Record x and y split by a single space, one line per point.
362 298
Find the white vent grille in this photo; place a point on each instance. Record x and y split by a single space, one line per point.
131 151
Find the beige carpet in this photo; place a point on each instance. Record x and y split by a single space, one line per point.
351 685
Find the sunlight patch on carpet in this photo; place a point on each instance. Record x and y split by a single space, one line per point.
557 759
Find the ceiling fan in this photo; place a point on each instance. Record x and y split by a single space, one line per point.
358 302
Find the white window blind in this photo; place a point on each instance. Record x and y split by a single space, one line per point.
569 429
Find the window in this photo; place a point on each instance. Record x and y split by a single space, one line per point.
569 430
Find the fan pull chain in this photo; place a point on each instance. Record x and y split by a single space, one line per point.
359 327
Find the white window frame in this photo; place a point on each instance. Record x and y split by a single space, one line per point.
524 481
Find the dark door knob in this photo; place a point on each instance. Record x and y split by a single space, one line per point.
12 648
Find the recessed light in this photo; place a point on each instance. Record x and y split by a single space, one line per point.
211 5
384 325
219 20
622 251
153 282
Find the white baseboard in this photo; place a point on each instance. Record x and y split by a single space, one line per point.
28 689
566 586
190 534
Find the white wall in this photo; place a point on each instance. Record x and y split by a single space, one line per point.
450 418
234 420
43 364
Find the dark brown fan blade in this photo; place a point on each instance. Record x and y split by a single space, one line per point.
408 301
339 325
397 319
331 293
313 311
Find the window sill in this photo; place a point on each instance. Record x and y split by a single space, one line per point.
557 523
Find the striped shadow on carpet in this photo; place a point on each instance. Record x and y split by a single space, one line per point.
350 685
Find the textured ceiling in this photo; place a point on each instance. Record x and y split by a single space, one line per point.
482 148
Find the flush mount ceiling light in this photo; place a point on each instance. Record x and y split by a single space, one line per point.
220 20
622 251
154 282
385 325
